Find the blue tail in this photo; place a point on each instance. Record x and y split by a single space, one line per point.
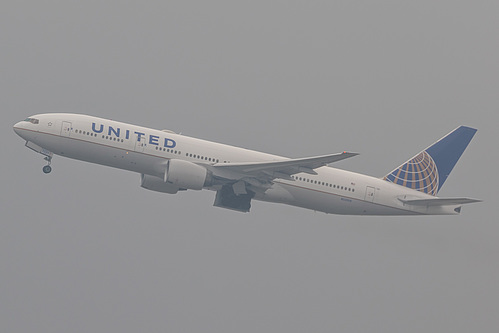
428 170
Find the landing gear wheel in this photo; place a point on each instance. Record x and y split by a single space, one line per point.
47 169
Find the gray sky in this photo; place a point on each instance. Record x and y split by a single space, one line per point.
86 249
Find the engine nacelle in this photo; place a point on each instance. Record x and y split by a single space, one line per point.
186 175
157 184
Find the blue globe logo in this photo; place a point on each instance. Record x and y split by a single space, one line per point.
419 173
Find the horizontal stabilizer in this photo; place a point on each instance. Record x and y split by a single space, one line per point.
439 201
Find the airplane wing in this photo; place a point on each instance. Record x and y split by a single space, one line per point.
439 201
240 181
277 169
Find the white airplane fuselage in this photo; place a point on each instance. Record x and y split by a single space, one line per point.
145 151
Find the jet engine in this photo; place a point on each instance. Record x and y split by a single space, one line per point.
180 175
188 175
157 184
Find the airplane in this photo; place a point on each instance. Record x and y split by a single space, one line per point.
169 162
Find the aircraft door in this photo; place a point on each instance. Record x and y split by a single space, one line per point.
66 128
370 191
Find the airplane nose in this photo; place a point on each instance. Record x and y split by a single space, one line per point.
18 128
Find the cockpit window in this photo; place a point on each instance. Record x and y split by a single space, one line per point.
32 120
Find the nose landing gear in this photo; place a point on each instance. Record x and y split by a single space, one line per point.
48 155
47 168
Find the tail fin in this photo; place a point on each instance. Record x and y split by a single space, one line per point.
427 171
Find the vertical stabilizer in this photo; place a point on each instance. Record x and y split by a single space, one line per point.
428 170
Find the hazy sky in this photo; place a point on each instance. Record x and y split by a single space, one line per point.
85 249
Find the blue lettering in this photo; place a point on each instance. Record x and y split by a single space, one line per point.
115 131
153 139
169 143
139 135
100 129
127 134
